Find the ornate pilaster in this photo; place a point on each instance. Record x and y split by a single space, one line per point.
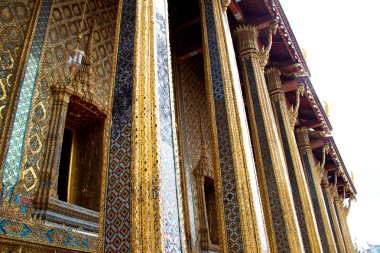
237 212
49 177
313 176
338 204
301 196
328 193
280 217
142 196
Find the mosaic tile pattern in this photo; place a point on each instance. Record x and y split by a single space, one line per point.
14 24
330 214
292 177
47 235
316 204
167 164
230 201
117 204
274 198
11 169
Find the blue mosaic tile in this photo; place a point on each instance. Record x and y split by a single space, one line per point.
270 177
230 201
330 214
11 169
316 205
292 177
117 204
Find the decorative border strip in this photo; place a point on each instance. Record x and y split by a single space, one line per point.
47 235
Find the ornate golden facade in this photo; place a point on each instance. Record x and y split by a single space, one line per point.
186 126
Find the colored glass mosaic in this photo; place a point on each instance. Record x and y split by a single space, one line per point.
330 215
117 204
316 204
230 201
292 177
11 169
274 198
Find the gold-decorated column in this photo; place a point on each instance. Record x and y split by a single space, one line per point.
237 209
328 195
61 99
301 196
341 213
141 199
313 176
280 218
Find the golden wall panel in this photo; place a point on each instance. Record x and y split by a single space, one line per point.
191 77
194 92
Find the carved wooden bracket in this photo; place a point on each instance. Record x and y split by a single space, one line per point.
293 110
225 4
264 52
321 165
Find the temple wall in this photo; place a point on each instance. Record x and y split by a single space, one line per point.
48 30
62 30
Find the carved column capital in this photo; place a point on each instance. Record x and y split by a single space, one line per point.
303 140
247 36
61 93
273 76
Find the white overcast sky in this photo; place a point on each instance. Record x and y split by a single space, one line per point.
342 41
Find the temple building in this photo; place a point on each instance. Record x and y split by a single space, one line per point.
163 126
